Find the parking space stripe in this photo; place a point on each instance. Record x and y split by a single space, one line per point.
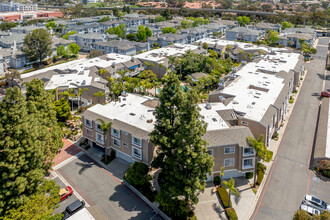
75 187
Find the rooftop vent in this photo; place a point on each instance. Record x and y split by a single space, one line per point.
214 119
208 106
122 105
132 114
149 121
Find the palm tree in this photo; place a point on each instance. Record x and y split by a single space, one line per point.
80 91
222 169
99 94
122 74
231 189
261 152
105 127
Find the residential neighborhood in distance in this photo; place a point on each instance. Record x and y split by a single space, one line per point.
164 110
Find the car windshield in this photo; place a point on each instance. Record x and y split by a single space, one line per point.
314 199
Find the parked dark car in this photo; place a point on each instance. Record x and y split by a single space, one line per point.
73 208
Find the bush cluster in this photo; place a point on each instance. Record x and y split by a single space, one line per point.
249 175
261 171
231 213
216 180
224 196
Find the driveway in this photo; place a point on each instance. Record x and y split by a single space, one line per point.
290 178
100 188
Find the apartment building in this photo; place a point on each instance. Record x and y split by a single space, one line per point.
244 34
86 41
24 29
133 120
259 92
158 59
124 47
12 6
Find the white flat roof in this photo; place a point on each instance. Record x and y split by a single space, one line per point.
131 111
212 118
82 214
246 46
172 50
82 64
69 80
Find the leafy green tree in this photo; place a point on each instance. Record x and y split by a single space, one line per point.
12 76
131 37
75 11
182 152
137 174
63 110
273 37
51 25
227 4
107 18
115 12
230 185
120 31
205 46
243 21
62 51
66 36
286 25
148 32
325 215
30 139
38 45
126 9
166 14
261 152
186 24
99 94
301 215
74 49
166 30
41 205
6 26
141 34
159 18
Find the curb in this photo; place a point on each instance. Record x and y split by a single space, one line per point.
279 141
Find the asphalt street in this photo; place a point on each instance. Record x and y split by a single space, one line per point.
98 187
290 178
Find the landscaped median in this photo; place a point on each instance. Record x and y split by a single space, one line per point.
224 197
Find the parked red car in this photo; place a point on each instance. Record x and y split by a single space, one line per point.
65 192
325 94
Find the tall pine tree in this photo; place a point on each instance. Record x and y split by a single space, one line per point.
182 152
29 139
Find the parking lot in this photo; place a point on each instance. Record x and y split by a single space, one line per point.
98 187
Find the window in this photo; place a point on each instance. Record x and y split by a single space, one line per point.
248 151
89 132
229 162
229 150
248 163
244 123
116 142
98 127
99 138
136 141
136 152
88 123
210 152
115 132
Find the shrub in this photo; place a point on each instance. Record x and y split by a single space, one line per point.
224 196
216 180
249 175
231 213
301 215
261 167
260 177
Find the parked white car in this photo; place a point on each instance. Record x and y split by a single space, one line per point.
311 210
315 202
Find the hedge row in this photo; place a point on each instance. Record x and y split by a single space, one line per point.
224 196
261 172
231 213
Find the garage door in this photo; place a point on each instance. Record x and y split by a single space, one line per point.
232 173
124 156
